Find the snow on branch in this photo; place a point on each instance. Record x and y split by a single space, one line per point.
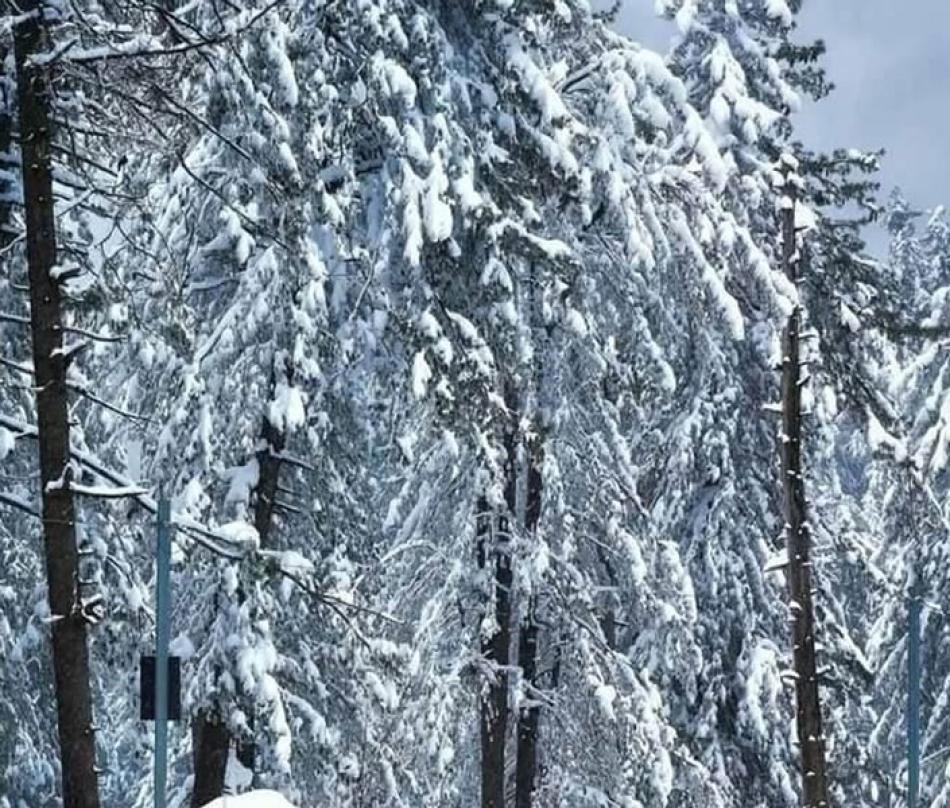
5 317
139 47
107 492
217 542
18 503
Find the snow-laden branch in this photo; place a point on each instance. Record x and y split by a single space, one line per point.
107 491
19 504
219 542
78 388
5 317
139 47
93 335
224 542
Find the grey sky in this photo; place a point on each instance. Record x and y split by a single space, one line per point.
890 62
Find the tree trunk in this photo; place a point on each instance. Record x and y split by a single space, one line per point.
7 107
530 717
70 652
211 738
495 705
491 719
798 539
210 742
265 496
494 552
268 479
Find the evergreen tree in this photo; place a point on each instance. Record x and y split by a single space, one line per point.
911 480
620 93
747 75
451 330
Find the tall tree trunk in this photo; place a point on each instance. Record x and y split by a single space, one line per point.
70 652
491 720
210 736
265 497
494 553
798 538
529 718
210 742
7 107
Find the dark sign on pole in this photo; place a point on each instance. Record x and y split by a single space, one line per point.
147 688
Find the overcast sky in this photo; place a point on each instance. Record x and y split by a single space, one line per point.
890 62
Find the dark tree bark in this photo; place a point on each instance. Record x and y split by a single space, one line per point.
268 480
246 751
210 743
70 652
608 623
210 735
491 719
265 497
494 553
529 720
798 536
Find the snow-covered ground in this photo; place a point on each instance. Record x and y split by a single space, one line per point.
253 799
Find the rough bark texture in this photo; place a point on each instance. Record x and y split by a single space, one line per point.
70 652
211 738
529 719
798 540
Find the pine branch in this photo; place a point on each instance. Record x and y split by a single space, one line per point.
18 504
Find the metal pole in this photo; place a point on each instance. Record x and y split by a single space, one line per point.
913 700
162 634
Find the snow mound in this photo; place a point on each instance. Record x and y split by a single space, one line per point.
253 799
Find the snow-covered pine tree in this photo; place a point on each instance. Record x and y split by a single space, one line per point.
798 533
599 132
746 74
121 247
28 766
246 349
27 727
724 496
911 482
460 315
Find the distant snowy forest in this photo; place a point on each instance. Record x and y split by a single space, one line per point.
539 432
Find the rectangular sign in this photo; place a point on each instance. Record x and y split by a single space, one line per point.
147 688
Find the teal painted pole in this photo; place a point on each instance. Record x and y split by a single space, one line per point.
162 635
913 701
